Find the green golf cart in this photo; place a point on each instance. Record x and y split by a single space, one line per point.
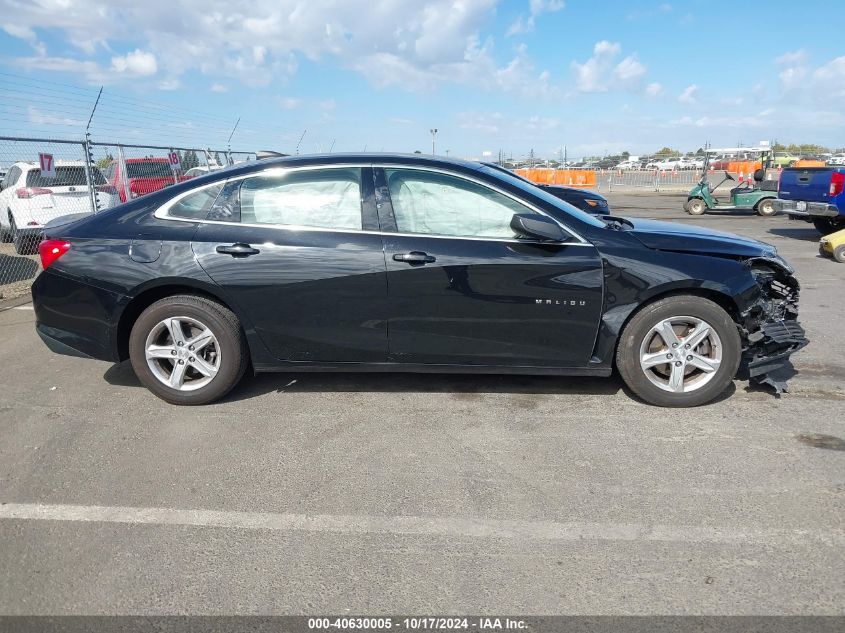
758 196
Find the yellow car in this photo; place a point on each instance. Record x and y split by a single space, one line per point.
833 245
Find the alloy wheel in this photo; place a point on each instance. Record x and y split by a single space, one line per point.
182 353
681 354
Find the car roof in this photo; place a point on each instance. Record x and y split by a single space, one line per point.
58 163
310 160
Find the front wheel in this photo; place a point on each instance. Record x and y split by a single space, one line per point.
695 206
826 226
766 207
188 349
681 351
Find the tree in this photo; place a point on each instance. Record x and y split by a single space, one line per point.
416 151
667 151
105 162
190 160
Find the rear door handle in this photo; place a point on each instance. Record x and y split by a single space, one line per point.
238 250
415 257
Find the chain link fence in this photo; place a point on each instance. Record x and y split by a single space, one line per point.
44 179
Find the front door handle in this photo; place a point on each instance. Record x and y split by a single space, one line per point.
238 250
414 257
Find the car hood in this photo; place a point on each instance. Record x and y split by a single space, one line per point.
574 192
671 236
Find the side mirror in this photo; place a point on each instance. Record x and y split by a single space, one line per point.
538 226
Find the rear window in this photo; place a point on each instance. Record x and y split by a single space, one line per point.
196 205
149 169
65 177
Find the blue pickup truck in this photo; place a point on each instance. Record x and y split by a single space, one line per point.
813 194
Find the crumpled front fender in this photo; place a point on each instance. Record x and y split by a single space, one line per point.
769 325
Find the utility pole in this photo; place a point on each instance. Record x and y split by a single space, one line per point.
433 137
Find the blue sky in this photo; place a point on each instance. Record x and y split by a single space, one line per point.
513 75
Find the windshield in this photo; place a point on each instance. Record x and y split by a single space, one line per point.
65 177
148 169
534 190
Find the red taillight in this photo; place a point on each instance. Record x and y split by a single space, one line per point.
31 192
837 183
109 189
51 250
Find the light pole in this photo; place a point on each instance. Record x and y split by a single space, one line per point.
433 136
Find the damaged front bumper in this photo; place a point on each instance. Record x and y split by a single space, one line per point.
769 327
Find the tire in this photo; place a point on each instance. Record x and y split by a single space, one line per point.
6 234
823 251
839 254
766 207
826 226
695 206
25 244
227 353
639 340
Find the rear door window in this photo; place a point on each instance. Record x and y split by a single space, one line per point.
321 198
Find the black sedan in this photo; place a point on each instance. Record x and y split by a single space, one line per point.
407 263
582 198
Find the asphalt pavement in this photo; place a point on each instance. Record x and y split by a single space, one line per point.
372 493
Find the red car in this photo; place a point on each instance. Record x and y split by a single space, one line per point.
143 175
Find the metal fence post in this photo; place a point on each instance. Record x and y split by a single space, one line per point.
124 179
89 179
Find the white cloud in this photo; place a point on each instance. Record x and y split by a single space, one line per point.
629 69
665 7
37 117
138 62
169 84
792 58
653 89
601 73
690 95
793 69
829 80
260 41
536 8
327 105
216 87
289 103
499 126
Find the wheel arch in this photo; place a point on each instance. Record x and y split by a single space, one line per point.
166 288
763 199
719 296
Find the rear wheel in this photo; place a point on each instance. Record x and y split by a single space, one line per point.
25 243
695 206
6 234
188 349
826 226
823 251
681 351
839 254
766 207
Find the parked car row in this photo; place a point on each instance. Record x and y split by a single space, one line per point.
28 200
